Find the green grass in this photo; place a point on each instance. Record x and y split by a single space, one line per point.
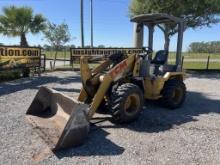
187 65
198 65
196 55
194 65
214 65
201 65
201 55
61 54
9 75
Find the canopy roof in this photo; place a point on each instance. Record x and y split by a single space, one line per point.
155 19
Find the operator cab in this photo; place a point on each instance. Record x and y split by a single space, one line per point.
159 62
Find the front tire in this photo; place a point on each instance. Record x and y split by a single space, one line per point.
173 94
127 102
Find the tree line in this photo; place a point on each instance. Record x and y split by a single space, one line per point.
205 47
19 21
194 13
67 47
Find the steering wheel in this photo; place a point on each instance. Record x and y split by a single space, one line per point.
148 50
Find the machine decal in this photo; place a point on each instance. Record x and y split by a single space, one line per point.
19 57
118 69
76 53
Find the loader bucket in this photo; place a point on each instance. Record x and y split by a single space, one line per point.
61 121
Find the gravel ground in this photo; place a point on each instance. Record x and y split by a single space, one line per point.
189 135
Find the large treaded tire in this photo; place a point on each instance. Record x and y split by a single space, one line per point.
171 100
119 98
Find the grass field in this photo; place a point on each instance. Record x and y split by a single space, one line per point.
9 75
50 54
201 65
187 64
196 55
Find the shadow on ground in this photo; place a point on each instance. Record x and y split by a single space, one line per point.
157 119
36 82
73 90
96 144
153 119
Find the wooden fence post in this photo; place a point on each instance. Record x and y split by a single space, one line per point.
51 66
72 66
207 65
64 57
182 62
44 62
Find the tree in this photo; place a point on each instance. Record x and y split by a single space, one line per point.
101 46
18 21
205 47
57 36
195 13
87 46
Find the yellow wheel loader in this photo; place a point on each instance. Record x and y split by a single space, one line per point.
119 84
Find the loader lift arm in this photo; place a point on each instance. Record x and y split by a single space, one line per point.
113 75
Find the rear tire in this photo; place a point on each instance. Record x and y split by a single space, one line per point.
127 102
173 94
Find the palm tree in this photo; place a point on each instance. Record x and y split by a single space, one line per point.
18 21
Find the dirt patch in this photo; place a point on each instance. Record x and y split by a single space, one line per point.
41 155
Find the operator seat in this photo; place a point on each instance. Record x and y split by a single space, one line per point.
159 59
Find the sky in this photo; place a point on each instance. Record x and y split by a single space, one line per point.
111 24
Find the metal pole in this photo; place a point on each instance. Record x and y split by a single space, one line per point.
182 62
207 64
91 19
64 56
179 43
138 35
150 36
82 28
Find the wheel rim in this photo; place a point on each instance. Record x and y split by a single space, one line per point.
132 104
177 95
